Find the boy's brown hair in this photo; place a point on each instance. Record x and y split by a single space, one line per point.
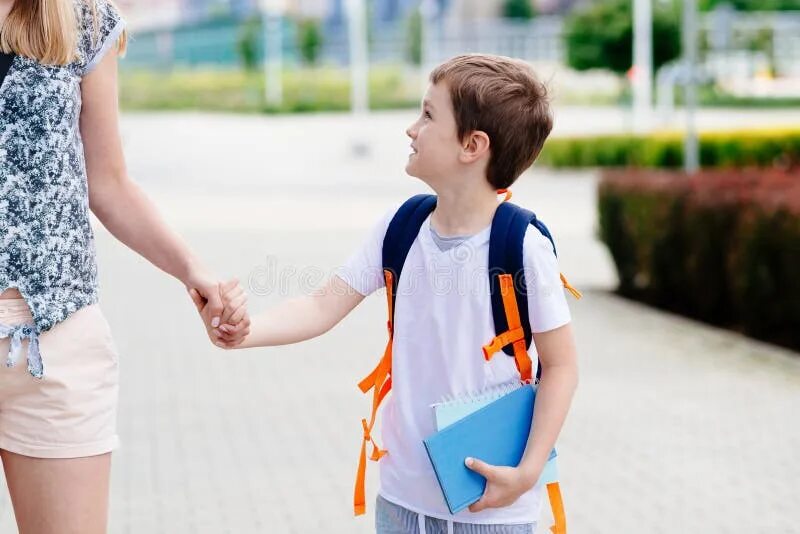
503 98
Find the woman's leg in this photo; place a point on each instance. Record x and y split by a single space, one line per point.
54 496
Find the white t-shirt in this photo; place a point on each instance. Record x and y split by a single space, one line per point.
443 317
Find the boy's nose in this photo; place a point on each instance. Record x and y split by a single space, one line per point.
411 132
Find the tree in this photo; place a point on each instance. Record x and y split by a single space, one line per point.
247 42
601 36
752 5
414 38
518 9
309 40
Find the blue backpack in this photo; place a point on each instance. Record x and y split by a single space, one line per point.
509 309
505 254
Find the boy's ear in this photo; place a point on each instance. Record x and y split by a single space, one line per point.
475 146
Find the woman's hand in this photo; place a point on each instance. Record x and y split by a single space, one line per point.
228 327
207 289
235 318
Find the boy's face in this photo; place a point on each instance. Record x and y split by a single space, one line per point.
435 147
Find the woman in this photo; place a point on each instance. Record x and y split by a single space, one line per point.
61 155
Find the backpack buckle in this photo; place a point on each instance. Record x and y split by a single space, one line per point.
506 338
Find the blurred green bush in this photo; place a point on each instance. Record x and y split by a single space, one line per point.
720 246
309 40
413 37
247 43
761 148
752 5
518 9
237 91
599 35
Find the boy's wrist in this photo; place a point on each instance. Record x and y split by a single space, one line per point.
529 473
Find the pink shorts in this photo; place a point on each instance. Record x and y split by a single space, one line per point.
71 412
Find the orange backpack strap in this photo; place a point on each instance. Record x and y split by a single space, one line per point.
380 382
557 506
515 335
510 225
569 287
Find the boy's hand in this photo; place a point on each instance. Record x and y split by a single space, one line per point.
504 485
234 321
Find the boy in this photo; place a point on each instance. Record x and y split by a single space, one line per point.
483 121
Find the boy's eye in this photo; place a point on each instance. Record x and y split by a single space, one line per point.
428 115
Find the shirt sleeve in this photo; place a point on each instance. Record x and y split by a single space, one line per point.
101 27
547 302
364 269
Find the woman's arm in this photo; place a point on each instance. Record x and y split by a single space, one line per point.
303 318
119 203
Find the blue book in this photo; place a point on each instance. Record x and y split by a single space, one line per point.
496 433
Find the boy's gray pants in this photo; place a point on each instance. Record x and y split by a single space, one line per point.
393 519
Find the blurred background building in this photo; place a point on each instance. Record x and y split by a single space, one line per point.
205 32
148 12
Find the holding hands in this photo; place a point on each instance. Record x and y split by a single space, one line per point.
223 308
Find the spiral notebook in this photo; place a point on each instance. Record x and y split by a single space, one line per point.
493 427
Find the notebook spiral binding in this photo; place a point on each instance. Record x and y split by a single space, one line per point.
486 395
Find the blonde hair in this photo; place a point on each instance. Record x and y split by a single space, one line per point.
46 30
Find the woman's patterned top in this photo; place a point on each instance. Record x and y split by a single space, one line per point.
47 246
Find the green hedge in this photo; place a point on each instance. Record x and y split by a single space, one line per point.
780 148
235 91
721 246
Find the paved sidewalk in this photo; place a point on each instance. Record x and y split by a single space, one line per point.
676 428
